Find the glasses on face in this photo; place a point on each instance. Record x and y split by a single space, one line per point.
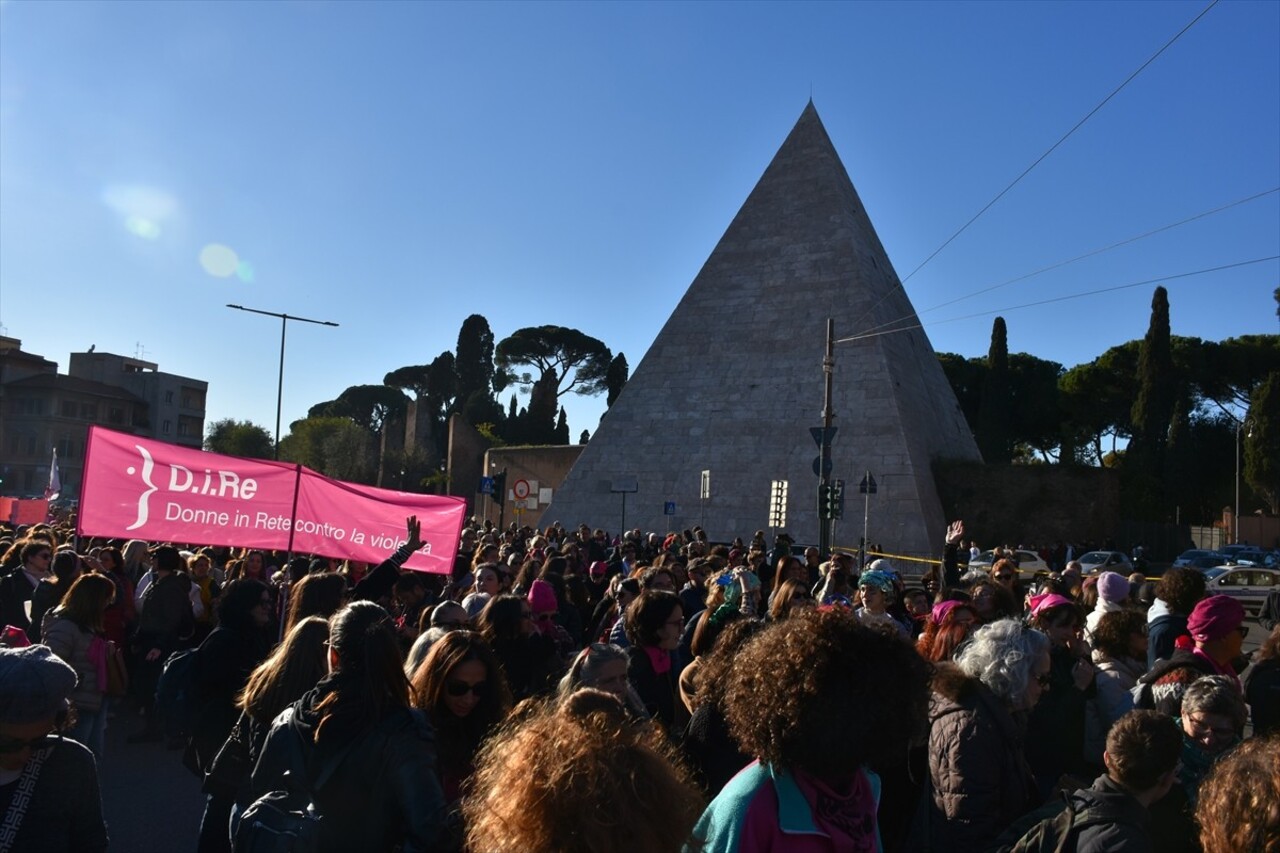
1003 577
1244 630
10 745
1201 728
1043 680
458 689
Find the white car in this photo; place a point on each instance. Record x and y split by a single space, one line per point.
1188 558
1029 562
1097 562
1250 586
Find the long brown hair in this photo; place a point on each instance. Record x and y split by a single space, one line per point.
84 602
318 594
293 668
457 739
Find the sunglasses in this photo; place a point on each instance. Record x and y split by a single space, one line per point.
1003 577
458 689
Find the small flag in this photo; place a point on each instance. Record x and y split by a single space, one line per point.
55 482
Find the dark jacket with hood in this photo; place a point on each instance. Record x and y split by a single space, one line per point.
1162 687
980 778
384 792
1122 826
166 615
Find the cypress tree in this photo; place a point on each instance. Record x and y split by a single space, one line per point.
993 410
1151 417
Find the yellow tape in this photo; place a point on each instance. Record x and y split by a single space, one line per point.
854 551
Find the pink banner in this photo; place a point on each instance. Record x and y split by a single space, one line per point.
18 511
143 489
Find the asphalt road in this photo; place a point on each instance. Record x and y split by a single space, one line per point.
151 802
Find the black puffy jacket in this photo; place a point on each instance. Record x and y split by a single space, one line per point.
384 792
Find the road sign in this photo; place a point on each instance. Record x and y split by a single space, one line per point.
819 433
705 494
822 467
486 486
625 485
868 485
520 489
669 508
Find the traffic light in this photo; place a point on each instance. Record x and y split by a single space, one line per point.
837 499
500 486
825 503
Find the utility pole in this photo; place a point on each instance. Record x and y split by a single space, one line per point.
824 466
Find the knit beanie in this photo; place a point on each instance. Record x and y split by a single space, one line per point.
542 597
1212 619
1113 587
36 685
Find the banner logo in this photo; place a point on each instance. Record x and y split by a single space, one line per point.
144 508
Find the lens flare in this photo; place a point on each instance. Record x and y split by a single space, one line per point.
219 261
244 272
142 227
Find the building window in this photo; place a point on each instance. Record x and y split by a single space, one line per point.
166 427
89 411
182 428
115 415
168 396
68 409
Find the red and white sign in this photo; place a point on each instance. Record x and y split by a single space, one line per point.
142 489
520 489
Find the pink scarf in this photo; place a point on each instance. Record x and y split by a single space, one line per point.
660 659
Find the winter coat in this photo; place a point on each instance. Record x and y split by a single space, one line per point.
226 658
980 777
64 811
1115 680
714 756
165 615
660 693
16 589
1124 825
1055 727
384 791
122 613
530 664
1262 692
1162 687
1164 627
70 642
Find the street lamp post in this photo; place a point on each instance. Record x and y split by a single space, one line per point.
1241 424
284 324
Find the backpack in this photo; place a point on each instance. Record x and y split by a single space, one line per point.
286 820
1057 833
176 701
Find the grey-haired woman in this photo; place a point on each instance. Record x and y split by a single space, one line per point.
980 778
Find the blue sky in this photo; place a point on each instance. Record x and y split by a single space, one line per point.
395 167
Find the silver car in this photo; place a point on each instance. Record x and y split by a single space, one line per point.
1250 585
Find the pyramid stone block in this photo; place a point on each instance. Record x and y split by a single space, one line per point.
734 380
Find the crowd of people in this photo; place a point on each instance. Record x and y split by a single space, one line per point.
565 690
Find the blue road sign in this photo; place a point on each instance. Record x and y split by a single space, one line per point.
486 485
819 469
669 508
818 434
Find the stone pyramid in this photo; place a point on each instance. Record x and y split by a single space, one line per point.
734 380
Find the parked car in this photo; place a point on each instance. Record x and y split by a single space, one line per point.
1257 557
1188 558
1029 562
1097 562
1250 586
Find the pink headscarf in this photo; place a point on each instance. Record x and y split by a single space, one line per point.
1040 603
941 609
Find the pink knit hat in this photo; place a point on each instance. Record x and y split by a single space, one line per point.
1214 618
1113 587
1041 603
542 598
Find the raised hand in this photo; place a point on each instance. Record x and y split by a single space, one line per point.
955 532
415 532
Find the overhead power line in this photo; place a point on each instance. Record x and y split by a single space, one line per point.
1050 150
1088 254
1054 299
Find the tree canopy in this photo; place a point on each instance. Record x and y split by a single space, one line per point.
239 438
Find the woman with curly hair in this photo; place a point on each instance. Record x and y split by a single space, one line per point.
461 687
1120 657
1239 806
578 776
948 625
980 777
713 753
803 710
